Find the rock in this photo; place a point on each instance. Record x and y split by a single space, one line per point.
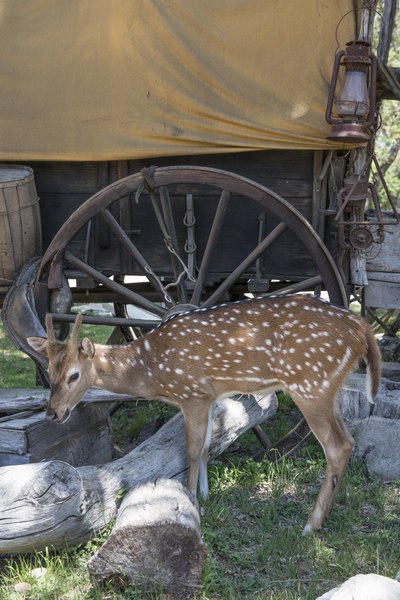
375 427
390 348
378 443
391 370
365 587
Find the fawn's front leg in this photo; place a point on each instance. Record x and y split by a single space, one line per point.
198 421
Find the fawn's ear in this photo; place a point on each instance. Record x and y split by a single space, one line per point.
87 347
38 344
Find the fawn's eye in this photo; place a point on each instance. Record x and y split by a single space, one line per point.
73 377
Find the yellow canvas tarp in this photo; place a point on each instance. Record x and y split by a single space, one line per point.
120 79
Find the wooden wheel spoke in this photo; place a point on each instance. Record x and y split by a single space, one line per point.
258 250
300 286
138 257
212 240
114 286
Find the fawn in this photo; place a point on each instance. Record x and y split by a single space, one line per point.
297 343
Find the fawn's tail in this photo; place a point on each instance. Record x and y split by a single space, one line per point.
373 358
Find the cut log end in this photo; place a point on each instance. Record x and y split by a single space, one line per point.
153 544
168 557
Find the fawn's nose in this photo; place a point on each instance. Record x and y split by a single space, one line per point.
50 413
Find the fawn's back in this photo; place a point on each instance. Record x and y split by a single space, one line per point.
297 342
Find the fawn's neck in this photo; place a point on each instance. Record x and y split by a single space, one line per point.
122 369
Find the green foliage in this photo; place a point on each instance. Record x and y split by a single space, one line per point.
388 152
387 145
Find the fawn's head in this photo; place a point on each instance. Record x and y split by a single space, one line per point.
70 368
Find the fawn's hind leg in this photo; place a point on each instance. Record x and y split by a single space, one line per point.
337 443
203 466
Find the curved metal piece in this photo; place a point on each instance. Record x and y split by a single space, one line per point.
19 313
286 445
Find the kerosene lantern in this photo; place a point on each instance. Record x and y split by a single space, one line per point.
351 112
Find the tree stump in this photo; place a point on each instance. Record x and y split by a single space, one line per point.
155 542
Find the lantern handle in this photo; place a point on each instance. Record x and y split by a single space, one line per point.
331 96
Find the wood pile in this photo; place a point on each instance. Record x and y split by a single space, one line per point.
53 504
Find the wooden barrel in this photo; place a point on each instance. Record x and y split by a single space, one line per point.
20 227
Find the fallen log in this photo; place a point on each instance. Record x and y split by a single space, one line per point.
53 504
156 542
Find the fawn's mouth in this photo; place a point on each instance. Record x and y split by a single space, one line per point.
57 419
65 416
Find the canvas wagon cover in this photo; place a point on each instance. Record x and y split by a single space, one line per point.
119 79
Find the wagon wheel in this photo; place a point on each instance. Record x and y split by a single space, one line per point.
186 284
183 287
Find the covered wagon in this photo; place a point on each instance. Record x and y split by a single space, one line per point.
181 156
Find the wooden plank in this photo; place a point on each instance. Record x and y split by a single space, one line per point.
291 179
80 447
382 295
388 257
264 164
383 276
84 439
12 440
17 399
55 209
7 264
19 415
14 219
317 191
14 400
386 31
29 216
8 460
42 433
66 177
23 423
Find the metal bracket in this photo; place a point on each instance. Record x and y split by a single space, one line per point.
190 245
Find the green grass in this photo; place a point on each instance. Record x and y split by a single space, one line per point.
16 368
252 526
252 523
267 504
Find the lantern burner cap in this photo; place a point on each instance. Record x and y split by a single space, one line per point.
349 133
